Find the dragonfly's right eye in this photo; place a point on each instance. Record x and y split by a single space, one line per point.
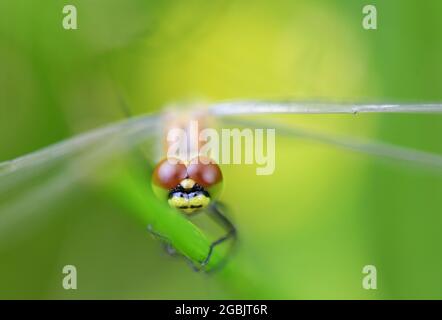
169 173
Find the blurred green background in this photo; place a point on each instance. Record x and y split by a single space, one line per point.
323 214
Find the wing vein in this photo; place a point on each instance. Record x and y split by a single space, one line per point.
310 107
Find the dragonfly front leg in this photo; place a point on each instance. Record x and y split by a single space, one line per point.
215 211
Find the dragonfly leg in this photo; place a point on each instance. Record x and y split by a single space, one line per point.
156 234
216 212
166 242
170 249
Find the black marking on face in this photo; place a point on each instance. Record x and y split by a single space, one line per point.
191 207
196 190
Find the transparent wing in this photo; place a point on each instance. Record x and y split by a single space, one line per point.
123 135
366 146
309 107
43 178
134 129
229 110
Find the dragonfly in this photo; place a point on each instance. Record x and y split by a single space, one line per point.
184 186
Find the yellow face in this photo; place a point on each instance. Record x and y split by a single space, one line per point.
188 196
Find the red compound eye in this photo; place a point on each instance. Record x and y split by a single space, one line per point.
204 172
169 173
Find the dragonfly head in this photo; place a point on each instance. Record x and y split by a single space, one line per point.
187 187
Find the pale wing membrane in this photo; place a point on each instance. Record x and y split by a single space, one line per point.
294 107
21 215
79 157
376 148
142 125
130 131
